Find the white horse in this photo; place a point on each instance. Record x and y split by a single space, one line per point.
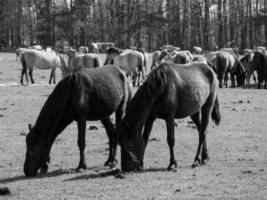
130 61
41 60
77 60
95 47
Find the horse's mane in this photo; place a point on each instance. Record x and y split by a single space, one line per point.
56 105
142 102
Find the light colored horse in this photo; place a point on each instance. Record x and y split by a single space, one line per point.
130 61
95 47
200 58
197 50
77 60
41 60
177 57
83 49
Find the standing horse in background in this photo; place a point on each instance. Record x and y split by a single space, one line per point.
130 61
177 57
85 94
170 92
95 47
259 63
227 62
42 60
83 49
77 60
142 50
246 62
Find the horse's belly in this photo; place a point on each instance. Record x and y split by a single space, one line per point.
191 102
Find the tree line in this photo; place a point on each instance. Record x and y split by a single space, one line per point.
145 24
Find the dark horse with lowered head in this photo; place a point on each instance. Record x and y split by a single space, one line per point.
171 91
85 94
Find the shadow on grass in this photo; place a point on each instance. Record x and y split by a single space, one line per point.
116 173
54 173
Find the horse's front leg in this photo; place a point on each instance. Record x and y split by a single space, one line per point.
146 134
171 141
112 142
81 143
52 75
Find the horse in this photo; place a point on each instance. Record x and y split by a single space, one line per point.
95 47
197 50
130 61
77 60
200 58
155 59
84 94
42 60
246 62
171 91
227 62
259 63
83 49
145 57
177 57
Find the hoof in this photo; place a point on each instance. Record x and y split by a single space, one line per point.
81 168
196 163
205 160
172 166
44 169
111 164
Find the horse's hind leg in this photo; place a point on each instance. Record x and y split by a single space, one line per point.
112 142
30 74
81 143
171 141
202 151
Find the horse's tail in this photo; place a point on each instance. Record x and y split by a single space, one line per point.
97 62
215 114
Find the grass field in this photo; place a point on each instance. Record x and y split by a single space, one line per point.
238 150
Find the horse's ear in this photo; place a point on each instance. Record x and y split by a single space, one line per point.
30 127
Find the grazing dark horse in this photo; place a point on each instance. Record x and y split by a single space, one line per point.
228 63
85 94
259 63
42 60
170 91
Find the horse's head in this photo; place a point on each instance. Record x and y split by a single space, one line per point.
132 147
163 54
240 74
112 52
37 154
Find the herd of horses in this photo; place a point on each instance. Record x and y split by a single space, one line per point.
180 84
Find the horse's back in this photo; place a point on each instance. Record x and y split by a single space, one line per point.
42 60
187 88
100 91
